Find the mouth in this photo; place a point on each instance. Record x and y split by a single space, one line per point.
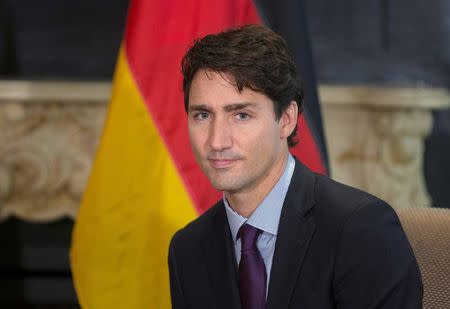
222 163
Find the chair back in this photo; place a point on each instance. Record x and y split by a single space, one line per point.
428 230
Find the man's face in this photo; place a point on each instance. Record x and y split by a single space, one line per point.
235 137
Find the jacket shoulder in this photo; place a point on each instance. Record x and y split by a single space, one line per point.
339 201
196 230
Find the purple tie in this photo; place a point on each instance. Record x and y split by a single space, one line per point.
252 272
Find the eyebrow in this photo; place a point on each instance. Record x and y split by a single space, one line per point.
199 108
227 108
236 106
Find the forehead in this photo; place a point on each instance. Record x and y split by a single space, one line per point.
210 87
205 79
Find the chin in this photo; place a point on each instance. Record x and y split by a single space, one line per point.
223 185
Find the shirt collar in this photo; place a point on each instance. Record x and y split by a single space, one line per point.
266 216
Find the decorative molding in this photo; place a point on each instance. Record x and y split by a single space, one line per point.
51 91
364 95
376 97
49 132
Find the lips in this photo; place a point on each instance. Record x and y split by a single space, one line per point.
222 163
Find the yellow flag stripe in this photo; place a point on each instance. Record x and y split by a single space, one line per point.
134 202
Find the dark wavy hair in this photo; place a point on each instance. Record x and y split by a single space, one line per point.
256 58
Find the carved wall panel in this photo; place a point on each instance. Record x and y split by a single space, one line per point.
376 139
46 150
49 133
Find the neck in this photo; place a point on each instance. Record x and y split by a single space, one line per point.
246 201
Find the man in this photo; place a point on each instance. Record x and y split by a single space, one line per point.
282 236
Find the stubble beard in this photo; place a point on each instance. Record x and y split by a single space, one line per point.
221 181
233 181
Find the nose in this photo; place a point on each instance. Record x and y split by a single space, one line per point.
220 135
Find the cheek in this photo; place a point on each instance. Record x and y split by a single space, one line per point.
260 139
197 138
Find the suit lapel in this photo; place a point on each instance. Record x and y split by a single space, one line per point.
294 235
221 262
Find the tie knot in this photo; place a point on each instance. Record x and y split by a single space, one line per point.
248 234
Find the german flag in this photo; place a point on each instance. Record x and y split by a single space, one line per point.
145 183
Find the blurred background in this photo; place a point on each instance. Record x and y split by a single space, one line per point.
383 72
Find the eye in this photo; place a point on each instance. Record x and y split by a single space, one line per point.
201 116
242 116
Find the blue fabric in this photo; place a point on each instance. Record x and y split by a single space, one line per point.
266 217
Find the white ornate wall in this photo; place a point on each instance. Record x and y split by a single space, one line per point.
49 132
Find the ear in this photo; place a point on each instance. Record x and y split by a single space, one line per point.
288 119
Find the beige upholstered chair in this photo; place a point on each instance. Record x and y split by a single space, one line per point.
428 230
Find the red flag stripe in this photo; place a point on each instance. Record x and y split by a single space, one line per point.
157 36
306 149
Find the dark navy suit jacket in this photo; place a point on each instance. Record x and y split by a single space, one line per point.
337 247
